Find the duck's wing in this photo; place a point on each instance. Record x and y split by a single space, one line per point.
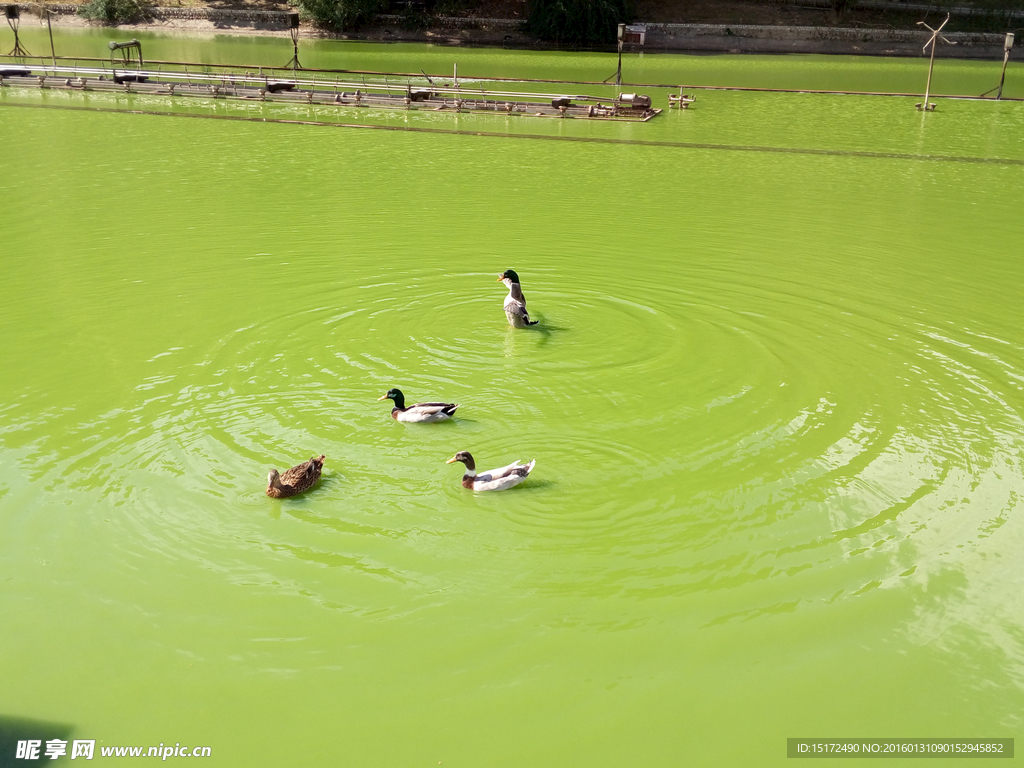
429 409
515 469
305 474
502 478
525 469
427 412
291 476
517 315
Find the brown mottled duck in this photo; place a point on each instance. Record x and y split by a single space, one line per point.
295 480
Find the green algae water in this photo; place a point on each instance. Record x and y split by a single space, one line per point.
775 399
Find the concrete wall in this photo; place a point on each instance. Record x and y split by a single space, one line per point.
740 38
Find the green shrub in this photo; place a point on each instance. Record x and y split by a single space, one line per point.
450 8
1007 11
578 22
111 11
340 14
414 18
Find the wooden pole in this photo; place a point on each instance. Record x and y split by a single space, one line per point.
53 54
928 84
618 69
931 61
1006 58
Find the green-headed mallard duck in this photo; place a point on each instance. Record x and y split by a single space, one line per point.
492 480
515 302
420 412
295 480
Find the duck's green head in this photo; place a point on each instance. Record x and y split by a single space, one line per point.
509 274
394 394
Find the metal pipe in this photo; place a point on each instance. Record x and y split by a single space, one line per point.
228 78
685 86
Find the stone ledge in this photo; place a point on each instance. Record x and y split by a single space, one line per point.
159 12
844 34
60 9
455 22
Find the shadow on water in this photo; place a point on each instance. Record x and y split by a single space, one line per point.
544 330
15 729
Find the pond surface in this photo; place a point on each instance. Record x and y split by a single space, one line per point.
776 401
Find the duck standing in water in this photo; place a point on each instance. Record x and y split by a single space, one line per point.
515 302
420 412
295 480
493 480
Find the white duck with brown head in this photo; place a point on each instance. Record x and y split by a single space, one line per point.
494 479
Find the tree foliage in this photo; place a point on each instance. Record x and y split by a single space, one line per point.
340 14
578 22
111 11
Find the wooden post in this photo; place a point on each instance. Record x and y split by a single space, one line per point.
618 70
53 54
931 61
1006 57
928 83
